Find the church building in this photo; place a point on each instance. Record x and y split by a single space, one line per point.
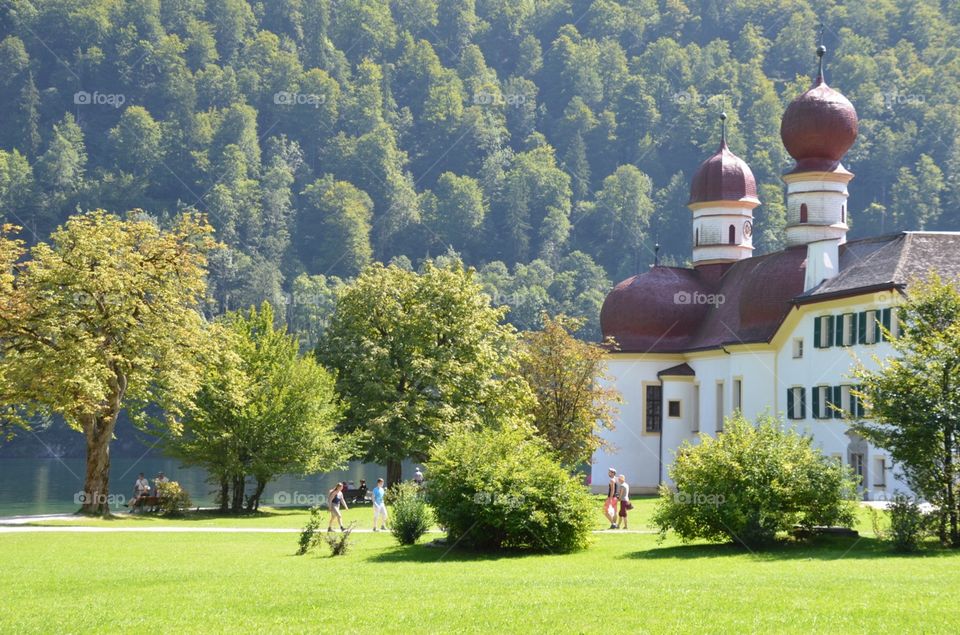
778 333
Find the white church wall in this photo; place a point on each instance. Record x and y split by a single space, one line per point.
636 452
764 373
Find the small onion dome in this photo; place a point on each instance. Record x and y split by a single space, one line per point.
723 177
658 310
819 127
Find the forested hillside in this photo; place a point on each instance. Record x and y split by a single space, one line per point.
548 142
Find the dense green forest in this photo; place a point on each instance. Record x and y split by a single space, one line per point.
549 143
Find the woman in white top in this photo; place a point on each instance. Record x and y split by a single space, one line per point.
624 493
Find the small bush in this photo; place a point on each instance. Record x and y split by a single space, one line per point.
908 525
410 517
504 489
310 534
174 500
752 482
339 543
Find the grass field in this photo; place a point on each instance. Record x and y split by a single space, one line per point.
625 583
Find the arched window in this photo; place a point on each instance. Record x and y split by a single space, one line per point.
732 235
696 239
843 213
803 212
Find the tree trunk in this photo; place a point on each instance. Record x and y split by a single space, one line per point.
950 478
253 504
224 494
239 489
394 472
95 497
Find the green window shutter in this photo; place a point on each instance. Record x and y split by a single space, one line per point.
838 330
837 401
816 402
859 406
817 326
790 403
803 403
862 327
831 331
885 320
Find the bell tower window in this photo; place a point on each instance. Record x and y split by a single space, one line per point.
732 235
803 213
696 239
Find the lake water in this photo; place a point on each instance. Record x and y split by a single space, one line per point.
50 486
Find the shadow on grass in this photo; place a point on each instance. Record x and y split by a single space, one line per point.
820 548
422 553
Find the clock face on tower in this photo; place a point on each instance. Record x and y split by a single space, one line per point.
747 229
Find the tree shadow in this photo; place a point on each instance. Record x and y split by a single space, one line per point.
817 548
426 553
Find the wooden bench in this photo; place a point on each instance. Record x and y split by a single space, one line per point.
151 503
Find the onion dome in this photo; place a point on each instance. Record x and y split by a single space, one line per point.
723 177
819 126
654 311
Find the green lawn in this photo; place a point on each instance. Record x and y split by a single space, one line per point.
624 583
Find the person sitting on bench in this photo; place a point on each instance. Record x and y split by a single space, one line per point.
140 489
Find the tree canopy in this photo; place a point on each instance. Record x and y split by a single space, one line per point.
105 316
318 135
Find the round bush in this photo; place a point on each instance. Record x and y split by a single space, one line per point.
752 482
410 516
503 489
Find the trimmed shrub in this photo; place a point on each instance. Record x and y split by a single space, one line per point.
908 524
174 500
504 489
752 482
410 516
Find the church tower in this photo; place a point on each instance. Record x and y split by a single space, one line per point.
817 129
723 194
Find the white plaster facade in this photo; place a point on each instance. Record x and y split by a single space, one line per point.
755 377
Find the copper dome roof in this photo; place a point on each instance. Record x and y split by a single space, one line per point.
656 310
723 177
818 128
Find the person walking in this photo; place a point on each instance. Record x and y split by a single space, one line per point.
335 500
418 477
625 504
610 504
379 507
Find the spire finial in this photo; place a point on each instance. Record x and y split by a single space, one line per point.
723 128
656 254
821 51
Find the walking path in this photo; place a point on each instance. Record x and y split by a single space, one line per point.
19 525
